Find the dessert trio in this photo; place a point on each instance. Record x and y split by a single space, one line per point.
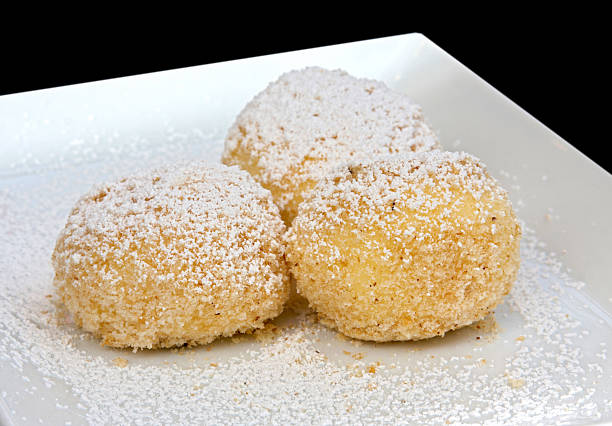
335 181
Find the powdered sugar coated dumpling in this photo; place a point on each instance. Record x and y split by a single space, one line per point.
409 247
173 256
309 121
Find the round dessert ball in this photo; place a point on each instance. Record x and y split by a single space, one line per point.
405 248
173 256
309 121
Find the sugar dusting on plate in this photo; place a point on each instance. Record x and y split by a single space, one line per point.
544 361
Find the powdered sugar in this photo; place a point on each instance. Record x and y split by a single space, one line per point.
546 364
445 175
189 209
309 121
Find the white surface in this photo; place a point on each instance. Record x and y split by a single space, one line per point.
81 131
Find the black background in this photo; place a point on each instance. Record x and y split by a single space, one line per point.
552 70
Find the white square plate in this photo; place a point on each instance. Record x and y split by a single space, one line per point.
544 359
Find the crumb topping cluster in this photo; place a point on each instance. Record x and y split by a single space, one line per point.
404 247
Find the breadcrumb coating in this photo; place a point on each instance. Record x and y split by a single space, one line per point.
407 247
173 256
309 121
